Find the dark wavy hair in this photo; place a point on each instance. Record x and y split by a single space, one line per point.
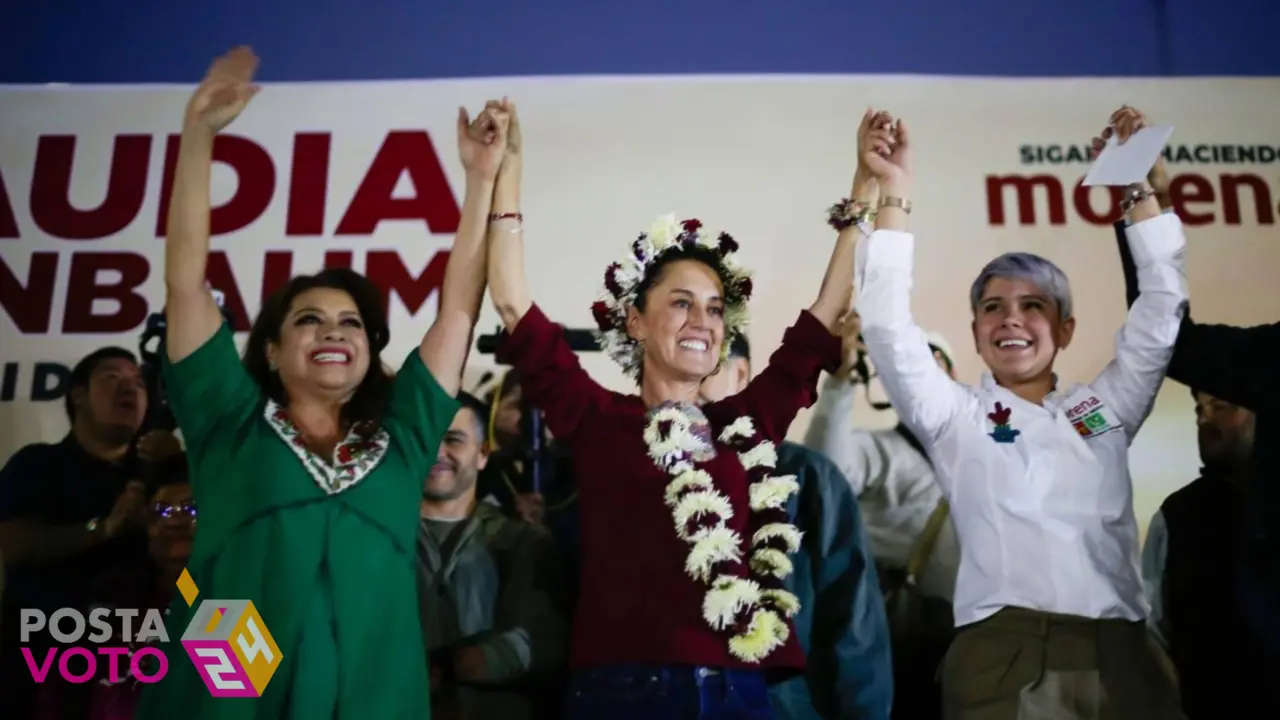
364 411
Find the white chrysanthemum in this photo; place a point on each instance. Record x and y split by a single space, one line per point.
666 450
762 455
765 633
703 502
740 428
787 533
767 561
786 603
727 597
736 318
772 493
717 545
686 481
663 232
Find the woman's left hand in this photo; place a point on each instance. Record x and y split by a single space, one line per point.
482 143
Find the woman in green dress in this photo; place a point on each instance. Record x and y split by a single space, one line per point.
307 459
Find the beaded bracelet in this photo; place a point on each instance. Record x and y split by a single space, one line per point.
495 217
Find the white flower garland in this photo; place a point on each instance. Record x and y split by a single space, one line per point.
701 514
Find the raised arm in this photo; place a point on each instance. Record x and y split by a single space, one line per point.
1145 343
925 398
481 146
190 310
507 284
837 283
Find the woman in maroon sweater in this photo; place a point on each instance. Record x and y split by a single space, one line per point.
684 534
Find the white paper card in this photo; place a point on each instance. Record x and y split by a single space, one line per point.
1120 165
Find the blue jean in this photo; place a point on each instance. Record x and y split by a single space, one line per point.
668 692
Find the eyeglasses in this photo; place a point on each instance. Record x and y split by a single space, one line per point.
164 511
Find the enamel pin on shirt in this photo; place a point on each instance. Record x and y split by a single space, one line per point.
1003 432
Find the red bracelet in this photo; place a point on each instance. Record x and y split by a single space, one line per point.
495 217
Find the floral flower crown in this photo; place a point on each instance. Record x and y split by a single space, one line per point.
622 280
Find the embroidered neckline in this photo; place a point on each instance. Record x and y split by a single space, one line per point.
748 599
353 459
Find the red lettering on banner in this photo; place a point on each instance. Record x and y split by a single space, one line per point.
51 208
8 223
402 152
387 270
85 286
338 259
30 305
255 183
1189 193
277 268
308 184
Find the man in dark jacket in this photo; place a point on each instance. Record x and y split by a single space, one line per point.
1238 366
841 623
1189 565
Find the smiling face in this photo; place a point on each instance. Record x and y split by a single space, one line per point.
323 347
1018 329
461 457
682 324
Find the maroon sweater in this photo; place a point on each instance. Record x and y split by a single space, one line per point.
636 604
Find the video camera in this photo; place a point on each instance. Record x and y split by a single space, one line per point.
533 450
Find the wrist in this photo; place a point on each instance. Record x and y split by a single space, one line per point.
898 188
194 129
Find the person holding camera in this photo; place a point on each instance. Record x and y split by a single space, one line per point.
908 521
686 540
307 458
1049 599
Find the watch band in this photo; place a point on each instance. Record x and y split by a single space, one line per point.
896 202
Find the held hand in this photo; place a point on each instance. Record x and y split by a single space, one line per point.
873 135
226 90
1123 124
532 508
887 149
850 343
130 508
158 445
482 143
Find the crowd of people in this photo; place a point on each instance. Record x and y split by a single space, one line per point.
677 556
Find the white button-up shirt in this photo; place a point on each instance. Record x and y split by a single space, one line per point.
1040 494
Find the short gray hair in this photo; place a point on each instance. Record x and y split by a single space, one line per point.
1040 272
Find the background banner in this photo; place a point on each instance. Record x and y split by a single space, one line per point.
366 175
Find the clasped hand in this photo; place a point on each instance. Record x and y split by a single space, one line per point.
490 140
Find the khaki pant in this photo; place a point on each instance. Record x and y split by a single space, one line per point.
1027 665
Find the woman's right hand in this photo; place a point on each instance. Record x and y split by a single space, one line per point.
483 142
883 148
226 90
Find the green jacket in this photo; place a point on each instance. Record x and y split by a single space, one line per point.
497 584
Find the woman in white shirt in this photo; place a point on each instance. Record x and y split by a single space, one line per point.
1049 600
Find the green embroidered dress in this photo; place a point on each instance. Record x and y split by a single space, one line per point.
325 549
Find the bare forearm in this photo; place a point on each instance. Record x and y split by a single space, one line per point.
837 283
447 342
26 542
507 284
187 227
